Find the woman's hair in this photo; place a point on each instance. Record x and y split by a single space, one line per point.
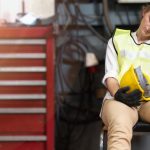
146 8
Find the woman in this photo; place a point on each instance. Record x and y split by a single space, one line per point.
121 108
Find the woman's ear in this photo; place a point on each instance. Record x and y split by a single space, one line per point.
143 11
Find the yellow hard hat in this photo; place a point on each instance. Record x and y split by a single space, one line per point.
131 79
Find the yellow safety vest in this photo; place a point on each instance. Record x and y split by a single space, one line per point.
130 53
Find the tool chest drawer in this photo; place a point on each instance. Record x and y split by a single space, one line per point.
26 88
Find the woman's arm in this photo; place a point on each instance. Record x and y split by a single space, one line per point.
112 85
111 69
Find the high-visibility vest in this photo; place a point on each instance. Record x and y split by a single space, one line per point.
130 53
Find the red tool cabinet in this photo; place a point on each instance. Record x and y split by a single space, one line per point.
26 88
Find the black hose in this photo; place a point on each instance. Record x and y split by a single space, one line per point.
106 16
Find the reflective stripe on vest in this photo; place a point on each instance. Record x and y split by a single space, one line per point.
131 53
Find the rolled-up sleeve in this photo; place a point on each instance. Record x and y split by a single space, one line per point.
111 62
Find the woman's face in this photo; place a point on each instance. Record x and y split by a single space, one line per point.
145 26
